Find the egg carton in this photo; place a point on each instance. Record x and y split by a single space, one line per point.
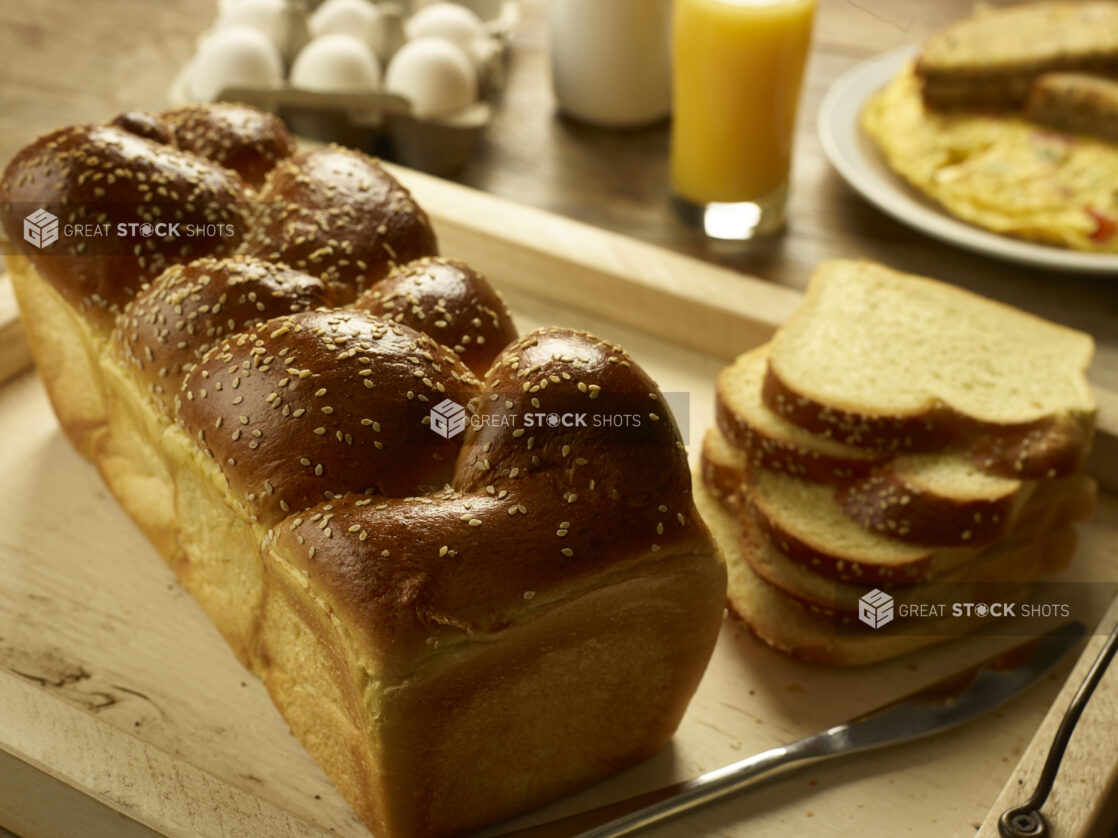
384 123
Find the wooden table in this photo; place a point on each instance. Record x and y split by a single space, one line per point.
63 61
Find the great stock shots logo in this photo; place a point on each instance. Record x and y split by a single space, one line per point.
875 609
40 228
448 418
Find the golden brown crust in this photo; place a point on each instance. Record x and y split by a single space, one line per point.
995 88
311 405
552 496
337 214
451 302
1021 558
889 502
167 328
146 125
557 626
1076 103
100 174
992 58
414 575
1051 448
929 431
782 455
244 139
613 437
722 478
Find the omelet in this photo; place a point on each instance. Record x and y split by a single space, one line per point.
999 171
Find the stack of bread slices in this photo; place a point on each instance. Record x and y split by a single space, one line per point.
901 435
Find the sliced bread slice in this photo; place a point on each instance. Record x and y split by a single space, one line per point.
857 554
883 360
805 524
1076 103
940 499
793 629
839 600
722 468
992 58
775 443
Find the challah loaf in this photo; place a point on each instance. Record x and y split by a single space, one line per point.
458 623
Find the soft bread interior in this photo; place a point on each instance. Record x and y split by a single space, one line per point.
1001 563
803 522
939 498
794 629
1026 39
910 346
771 439
66 349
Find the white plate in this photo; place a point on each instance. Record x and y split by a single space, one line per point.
857 159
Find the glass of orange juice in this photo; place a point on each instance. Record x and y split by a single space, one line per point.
738 66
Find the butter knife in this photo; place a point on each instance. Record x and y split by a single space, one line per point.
945 704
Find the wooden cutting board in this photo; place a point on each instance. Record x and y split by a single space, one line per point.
123 713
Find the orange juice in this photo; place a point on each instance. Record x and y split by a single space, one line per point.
738 68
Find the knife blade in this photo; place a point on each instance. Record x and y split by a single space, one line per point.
940 706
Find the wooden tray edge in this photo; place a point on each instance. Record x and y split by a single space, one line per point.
148 782
1081 805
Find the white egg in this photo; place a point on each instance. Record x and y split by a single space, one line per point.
235 57
344 17
446 20
336 64
434 75
269 16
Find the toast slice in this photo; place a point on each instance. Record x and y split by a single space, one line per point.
839 600
1076 103
938 499
802 521
992 58
879 359
791 628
